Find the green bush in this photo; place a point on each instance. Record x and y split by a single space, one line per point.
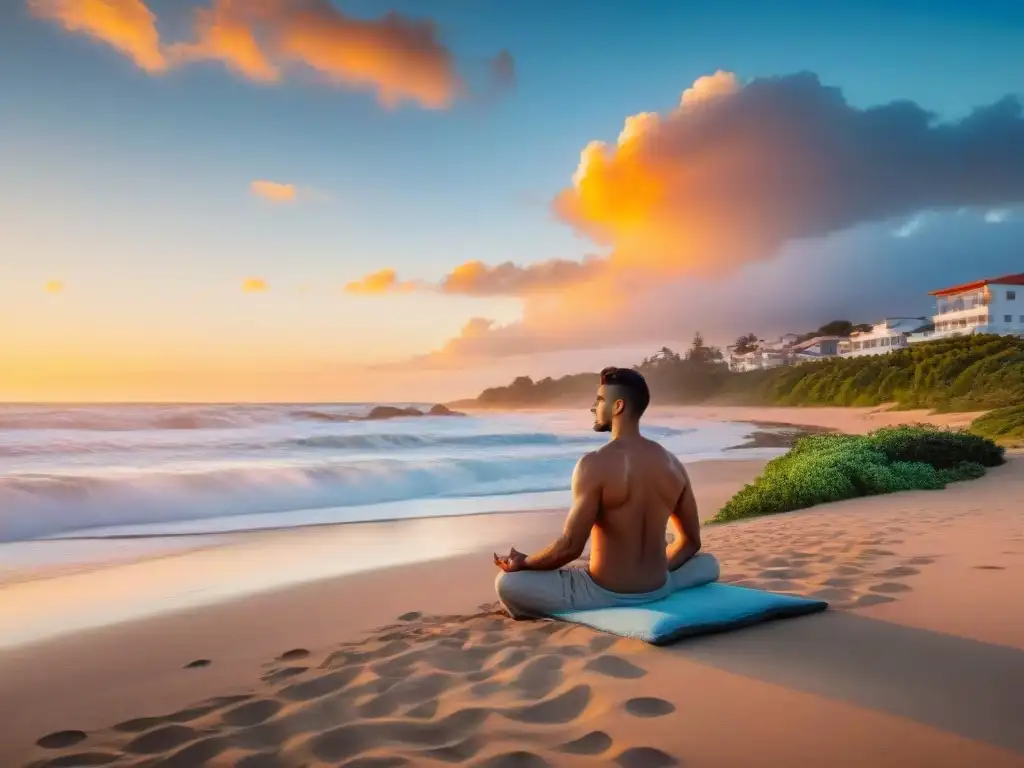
942 449
831 467
1005 425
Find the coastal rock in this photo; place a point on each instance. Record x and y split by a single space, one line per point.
394 412
391 412
443 410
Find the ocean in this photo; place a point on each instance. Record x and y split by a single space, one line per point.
112 471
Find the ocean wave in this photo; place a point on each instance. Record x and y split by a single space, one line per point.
386 441
336 442
41 505
127 418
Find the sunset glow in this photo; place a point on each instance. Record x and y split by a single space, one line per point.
316 199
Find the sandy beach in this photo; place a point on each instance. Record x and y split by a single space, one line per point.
319 662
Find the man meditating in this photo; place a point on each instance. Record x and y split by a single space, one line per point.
624 495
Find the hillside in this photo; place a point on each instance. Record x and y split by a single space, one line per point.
964 373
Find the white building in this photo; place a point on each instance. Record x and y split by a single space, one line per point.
995 305
786 350
756 360
892 333
818 348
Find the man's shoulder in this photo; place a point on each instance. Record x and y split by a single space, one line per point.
599 459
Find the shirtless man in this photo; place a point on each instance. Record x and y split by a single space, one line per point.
624 496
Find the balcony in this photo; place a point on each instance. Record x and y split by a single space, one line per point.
959 304
963 330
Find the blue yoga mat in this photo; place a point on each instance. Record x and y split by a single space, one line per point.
696 611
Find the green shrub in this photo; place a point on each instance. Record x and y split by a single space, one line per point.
940 448
967 470
831 467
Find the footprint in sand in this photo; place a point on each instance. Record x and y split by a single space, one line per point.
459 752
539 676
197 753
889 587
140 724
602 643
198 664
900 570
990 567
293 655
162 740
414 690
423 711
252 713
615 666
320 686
347 741
648 706
377 762
61 739
515 760
594 743
645 757
865 601
411 616
79 760
563 708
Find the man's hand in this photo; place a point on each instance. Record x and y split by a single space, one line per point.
514 561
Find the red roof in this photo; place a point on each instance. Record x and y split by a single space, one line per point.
1017 279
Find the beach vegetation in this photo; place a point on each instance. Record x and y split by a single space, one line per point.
1003 425
963 373
832 467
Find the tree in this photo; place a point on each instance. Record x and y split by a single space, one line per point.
836 328
700 353
745 343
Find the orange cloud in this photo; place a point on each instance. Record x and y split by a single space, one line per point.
475 278
382 281
255 285
126 25
274 191
400 58
54 286
699 198
224 32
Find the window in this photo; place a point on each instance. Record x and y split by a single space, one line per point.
1007 318
1011 295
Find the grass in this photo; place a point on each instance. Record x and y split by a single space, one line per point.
832 467
1003 425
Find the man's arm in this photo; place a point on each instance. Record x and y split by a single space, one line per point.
686 526
586 501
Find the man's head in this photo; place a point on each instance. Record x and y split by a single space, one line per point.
622 396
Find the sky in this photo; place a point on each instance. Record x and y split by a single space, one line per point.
363 200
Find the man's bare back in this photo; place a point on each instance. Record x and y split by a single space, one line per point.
642 489
624 495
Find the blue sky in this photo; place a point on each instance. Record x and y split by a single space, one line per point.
132 189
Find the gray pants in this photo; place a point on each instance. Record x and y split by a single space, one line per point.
536 594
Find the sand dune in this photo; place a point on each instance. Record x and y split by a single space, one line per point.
919 662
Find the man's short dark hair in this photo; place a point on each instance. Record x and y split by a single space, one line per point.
632 387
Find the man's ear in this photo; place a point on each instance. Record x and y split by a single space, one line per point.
618 407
